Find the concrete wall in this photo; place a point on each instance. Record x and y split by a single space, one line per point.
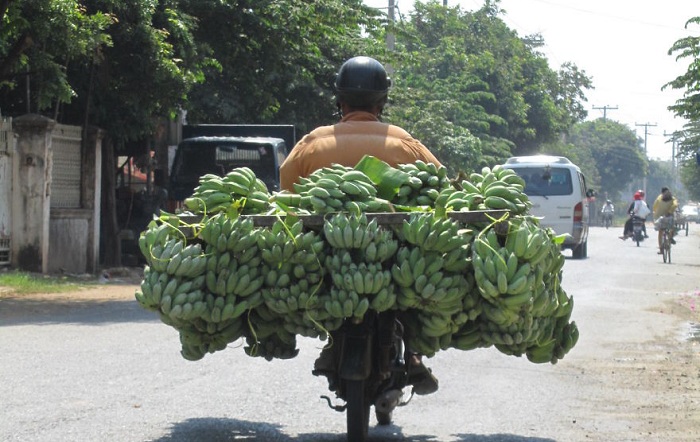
46 239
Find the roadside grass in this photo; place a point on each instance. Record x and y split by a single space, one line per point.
24 283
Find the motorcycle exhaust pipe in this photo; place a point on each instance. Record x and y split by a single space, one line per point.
388 400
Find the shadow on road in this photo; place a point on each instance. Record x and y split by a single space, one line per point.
17 311
224 430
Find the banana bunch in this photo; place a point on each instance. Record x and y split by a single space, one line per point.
196 342
416 340
335 189
157 233
526 310
496 188
239 189
343 300
313 323
294 271
281 345
424 283
159 289
436 325
457 200
354 231
355 265
234 265
423 185
429 268
357 287
182 300
381 248
514 338
564 337
468 337
502 279
346 304
430 232
234 234
263 322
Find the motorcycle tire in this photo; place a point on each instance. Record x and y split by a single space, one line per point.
357 411
383 418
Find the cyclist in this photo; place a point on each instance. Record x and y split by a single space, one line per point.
665 205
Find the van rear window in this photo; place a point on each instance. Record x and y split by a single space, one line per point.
544 181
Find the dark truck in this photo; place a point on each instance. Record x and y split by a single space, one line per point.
219 148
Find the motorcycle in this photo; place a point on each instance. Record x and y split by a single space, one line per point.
367 366
637 229
607 219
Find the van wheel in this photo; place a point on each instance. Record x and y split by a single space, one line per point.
580 251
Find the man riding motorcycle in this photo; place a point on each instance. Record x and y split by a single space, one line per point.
361 89
607 212
639 211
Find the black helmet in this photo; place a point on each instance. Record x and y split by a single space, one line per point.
362 81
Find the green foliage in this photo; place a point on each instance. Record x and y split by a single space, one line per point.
690 177
465 84
688 107
615 150
468 74
38 40
275 60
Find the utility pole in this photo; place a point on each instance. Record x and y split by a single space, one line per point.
605 110
390 37
646 133
674 162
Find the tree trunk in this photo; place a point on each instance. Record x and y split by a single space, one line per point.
109 234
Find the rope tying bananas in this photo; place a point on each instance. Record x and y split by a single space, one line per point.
455 285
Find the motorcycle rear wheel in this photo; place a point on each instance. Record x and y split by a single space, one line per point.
383 418
357 411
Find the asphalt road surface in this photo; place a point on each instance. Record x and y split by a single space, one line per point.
95 366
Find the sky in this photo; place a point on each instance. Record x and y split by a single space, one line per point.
622 45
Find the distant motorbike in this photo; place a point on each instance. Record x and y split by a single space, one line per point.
637 229
607 219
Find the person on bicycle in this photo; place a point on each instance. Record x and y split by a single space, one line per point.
361 91
665 205
639 210
608 210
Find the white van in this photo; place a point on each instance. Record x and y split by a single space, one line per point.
559 195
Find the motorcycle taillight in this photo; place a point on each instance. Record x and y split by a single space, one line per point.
578 213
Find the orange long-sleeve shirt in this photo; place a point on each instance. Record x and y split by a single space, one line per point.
356 135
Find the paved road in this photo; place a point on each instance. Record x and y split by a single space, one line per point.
109 371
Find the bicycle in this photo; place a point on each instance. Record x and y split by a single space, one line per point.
666 226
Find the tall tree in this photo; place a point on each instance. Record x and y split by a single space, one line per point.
39 39
688 107
469 75
275 60
617 151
